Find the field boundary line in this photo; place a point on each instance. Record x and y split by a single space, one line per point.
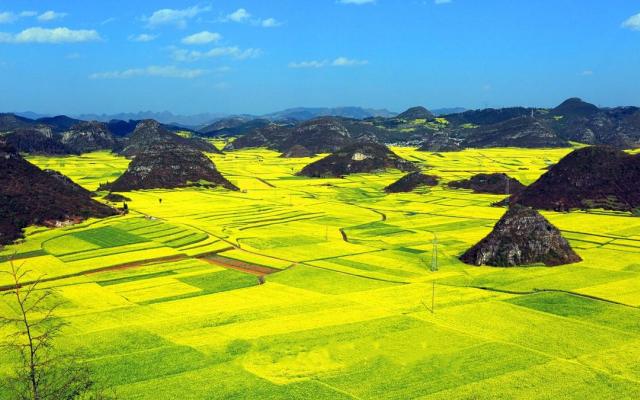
535 291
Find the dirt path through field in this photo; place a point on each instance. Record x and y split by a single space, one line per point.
258 270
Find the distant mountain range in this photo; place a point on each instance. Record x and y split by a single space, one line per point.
203 119
315 130
164 117
306 113
448 111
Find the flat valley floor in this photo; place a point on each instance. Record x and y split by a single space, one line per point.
324 289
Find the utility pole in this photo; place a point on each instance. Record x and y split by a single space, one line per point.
434 268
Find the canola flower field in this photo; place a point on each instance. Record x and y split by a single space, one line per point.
171 300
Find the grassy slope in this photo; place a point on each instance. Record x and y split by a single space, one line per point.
345 319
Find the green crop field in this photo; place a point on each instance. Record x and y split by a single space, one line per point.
161 303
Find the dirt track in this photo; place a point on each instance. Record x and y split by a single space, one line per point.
258 270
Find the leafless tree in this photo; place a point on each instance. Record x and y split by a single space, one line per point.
41 373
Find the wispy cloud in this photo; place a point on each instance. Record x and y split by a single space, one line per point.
338 62
151 71
440 2
7 17
270 23
239 15
108 20
308 64
242 16
346 62
143 38
232 51
169 16
632 23
586 72
50 16
356 2
203 37
55 35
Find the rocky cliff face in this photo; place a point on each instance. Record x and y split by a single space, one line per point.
591 177
440 142
297 151
521 237
9 122
411 181
37 139
30 196
271 136
169 166
59 123
360 157
489 183
488 116
618 128
582 122
149 133
233 126
524 132
320 135
89 136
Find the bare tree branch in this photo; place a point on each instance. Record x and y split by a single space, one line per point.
43 374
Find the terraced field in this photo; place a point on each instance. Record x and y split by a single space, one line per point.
323 288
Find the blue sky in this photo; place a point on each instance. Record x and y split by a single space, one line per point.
257 56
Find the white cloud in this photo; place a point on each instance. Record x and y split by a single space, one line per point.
242 16
168 16
73 56
632 23
338 62
55 35
308 64
203 37
357 2
270 23
346 62
439 2
108 20
239 15
143 38
50 16
587 72
233 52
153 71
7 17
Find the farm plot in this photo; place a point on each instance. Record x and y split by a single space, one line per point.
351 307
